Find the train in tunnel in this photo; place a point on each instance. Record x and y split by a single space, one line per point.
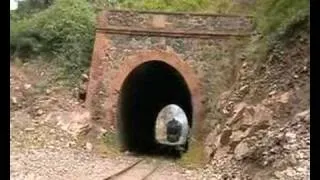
152 91
172 128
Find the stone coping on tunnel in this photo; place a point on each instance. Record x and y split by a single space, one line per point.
169 33
180 22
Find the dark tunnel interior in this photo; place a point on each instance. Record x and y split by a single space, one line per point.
146 90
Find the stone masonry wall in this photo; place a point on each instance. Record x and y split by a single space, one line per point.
179 21
211 59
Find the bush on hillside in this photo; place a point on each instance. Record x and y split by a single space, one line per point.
276 20
64 32
29 7
276 16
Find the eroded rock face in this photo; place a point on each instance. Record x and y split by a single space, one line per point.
267 110
252 133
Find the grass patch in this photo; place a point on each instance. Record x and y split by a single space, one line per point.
111 139
194 158
106 146
109 144
17 62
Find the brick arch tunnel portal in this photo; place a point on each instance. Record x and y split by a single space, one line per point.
144 92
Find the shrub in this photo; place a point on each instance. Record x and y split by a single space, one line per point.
64 32
274 16
276 20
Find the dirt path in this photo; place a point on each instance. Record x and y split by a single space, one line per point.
41 150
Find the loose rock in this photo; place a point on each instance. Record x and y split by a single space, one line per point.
89 146
241 151
40 112
14 100
272 93
30 129
48 91
27 86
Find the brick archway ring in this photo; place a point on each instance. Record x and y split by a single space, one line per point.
133 61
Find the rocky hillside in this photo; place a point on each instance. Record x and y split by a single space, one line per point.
265 132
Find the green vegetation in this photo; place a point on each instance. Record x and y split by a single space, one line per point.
107 145
217 6
62 33
110 144
274 16
276 20
29 7
173 5
195 157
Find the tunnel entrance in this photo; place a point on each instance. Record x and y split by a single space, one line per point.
145 91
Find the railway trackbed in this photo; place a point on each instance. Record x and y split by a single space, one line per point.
136 171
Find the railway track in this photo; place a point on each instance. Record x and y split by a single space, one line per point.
136 171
